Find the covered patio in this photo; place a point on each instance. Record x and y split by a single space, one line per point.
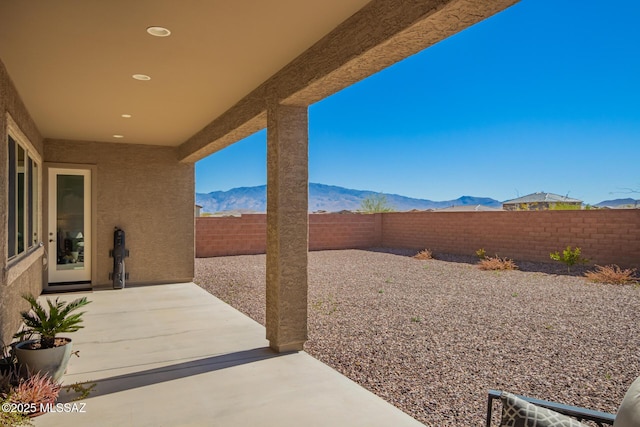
104 109
183 357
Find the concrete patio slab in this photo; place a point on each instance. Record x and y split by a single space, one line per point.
174 355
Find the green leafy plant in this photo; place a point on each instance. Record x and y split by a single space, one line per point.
612 274
12 418
570 257
481 253
83 389
375 203
49 323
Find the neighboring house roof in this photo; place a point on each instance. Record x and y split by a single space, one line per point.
542 197
468 208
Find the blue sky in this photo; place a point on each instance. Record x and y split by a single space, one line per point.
544 96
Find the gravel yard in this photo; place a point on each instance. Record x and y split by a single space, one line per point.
431 337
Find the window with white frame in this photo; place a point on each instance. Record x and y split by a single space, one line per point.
23 194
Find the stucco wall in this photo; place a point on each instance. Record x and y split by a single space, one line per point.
142 189
21 276
145 191
11 302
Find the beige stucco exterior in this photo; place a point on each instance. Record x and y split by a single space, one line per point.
141 189
16 278
148 190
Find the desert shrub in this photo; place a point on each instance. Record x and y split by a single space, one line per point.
38 389
497 263
375 203
425 254
481 253
82 390
612 274
569 257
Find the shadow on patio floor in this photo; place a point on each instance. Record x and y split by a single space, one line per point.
162 374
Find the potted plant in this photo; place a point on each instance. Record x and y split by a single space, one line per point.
49 353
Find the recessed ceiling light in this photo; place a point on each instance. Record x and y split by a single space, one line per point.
158 31
118 136
142 77
126 116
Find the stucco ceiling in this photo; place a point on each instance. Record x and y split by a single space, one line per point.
72 61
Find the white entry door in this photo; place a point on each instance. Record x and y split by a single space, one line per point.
69 235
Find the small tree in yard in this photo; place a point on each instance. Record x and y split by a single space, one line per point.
569 257
375 203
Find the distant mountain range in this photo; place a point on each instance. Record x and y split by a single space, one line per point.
331 198
618 203
328 198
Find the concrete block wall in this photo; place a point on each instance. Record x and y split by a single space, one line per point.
604 236
247 234
221 236
344 231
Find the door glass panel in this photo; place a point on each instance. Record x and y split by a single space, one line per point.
70 222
